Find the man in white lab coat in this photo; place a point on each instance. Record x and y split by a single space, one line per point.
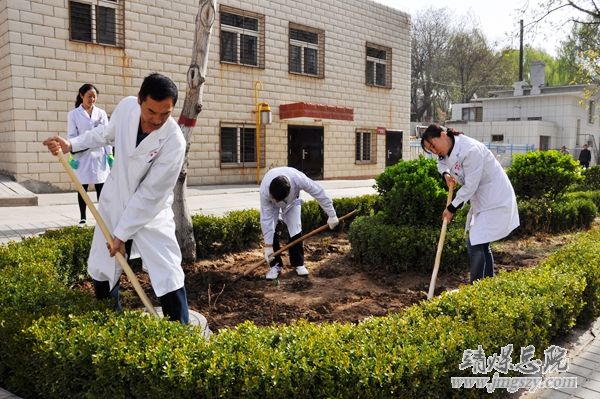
493 213
137 197
280 196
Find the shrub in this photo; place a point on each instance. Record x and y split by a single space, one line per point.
235 231
402 248
593 196
538 174
591 178
412 193
555 216
411 354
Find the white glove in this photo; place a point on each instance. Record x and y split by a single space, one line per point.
268 253
332 222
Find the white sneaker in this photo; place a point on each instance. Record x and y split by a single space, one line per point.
273 273
302 271
82 223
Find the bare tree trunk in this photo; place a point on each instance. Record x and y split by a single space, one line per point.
191 108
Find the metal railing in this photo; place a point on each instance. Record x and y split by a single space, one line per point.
504 152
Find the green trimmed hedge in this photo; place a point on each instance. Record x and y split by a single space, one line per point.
568 213
402 248
240 230
54 341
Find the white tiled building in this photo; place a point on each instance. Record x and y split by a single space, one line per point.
336 74
538 115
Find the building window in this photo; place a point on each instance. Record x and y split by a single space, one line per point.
242 37
97 21
238 145
307 50
534 118
378 66
366 147
474 114
513 119
591 112
497 138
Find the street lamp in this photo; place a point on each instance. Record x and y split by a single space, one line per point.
263 117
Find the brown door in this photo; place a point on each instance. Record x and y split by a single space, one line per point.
305 150
393 147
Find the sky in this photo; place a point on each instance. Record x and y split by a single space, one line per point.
499 20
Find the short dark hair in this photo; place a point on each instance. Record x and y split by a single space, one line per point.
279 188
159 87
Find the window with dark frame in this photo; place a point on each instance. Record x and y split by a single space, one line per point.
306 50
378 69
97 21
366 147
591 111
474 114
242 37
238 144
497 138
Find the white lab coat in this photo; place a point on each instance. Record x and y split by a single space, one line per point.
136 199
493 213
93 167
290 207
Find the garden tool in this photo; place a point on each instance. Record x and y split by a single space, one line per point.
109 238
296 241
438 255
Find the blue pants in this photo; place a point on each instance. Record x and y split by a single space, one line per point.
481 260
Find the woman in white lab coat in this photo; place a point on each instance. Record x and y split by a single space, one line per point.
493 213
91 165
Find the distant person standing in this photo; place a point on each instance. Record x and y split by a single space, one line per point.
91 165
564 150
585 156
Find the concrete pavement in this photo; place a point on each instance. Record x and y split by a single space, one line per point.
61 210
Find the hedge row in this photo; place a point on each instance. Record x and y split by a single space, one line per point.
55 341
402 248
239 230
572 212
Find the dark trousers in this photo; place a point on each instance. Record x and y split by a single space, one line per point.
82 202
481 260
296 252
174 304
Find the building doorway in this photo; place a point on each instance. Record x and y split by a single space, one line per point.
393 147
305 150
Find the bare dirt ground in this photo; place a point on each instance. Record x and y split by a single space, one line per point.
337 289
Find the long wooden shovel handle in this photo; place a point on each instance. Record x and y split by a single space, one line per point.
109 238
296 241
440 247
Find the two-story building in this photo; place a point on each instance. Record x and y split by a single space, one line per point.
335 74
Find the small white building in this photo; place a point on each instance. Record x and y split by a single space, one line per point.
540 116
335 73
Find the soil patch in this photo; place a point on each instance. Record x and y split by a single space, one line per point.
337 289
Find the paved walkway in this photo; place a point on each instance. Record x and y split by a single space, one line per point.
60 210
